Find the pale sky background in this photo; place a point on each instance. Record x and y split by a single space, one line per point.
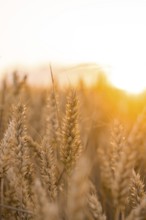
108 32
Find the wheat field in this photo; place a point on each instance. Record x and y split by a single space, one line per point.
71 153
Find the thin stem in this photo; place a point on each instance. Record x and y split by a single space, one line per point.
117 214
61 175
16 209
122 215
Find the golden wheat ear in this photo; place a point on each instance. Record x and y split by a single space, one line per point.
94 204
139 212
71 146
23 167
48 169
117 144
136 191
52 121
6 147
110 155
122 179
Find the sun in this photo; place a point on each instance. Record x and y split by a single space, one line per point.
129 79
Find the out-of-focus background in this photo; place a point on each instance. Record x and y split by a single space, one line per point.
77 37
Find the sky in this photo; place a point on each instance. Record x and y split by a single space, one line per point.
111 33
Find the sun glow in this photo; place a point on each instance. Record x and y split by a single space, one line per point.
130 80
109 34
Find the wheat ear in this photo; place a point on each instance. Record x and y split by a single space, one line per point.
136 192
71 144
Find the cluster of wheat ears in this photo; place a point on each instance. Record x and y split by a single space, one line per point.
51 167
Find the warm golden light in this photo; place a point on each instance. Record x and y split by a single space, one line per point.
131 80
107 33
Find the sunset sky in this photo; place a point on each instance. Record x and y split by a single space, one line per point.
107 32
